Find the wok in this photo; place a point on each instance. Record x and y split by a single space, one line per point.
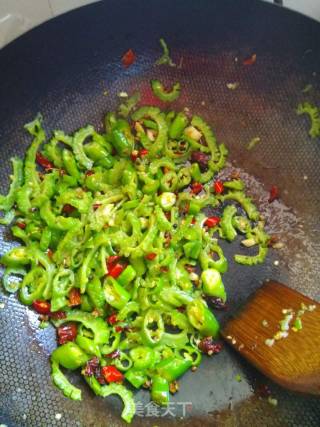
64 68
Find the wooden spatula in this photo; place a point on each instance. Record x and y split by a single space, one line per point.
292 361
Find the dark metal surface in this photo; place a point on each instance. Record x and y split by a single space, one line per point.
63 69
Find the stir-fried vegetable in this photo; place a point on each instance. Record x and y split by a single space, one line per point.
165 58
111 227
313 112
164 95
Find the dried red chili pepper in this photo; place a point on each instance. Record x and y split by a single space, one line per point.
218 187
89 173
91 367
112 319
143 152
209 347
151 256
74 297
96 206
42 307
250 60
58 315
274 194
112 374
67 333
100 377
128 58
21 225
68 209
112 261
114 355
196 187
200 158
43 161
212 221
118 328
116 270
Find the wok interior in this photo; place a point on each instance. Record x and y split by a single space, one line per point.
66 80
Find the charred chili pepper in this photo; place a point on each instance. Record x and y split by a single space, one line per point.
128 58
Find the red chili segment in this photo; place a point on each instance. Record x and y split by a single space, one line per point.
250 60
67 333
274 194
68 209
128 58
151 256
21 225
212 221
116 270
112 261
196 187
112 374
218 187
58 315
43 161
112 319
143 152
41 307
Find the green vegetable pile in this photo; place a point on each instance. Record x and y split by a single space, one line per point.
112 229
